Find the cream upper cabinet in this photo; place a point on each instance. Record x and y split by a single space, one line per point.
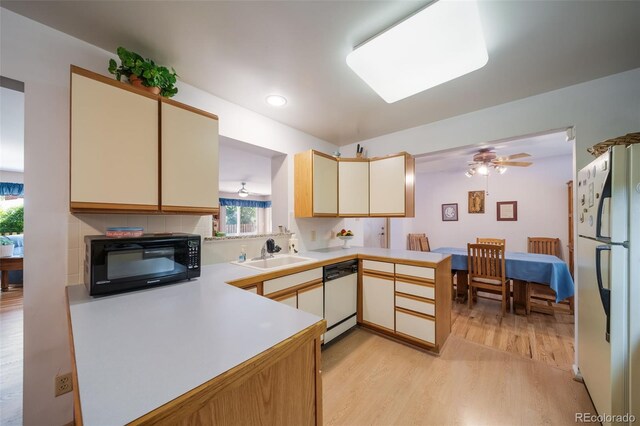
316 184
135 152
114 146
353 187
391 181
189 142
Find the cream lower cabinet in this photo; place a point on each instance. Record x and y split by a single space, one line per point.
411 302
378 301
114 146
189 143
391 186
316 185
289 300
311 300
353 187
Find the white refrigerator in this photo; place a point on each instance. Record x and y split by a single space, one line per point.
608 281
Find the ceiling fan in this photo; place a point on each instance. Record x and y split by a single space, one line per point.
486 159
243 192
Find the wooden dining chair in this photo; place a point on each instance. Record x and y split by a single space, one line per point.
544 245
419 242
540 297
494 241
486 268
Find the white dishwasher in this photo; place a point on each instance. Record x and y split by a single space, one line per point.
340 297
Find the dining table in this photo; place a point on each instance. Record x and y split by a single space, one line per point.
521 268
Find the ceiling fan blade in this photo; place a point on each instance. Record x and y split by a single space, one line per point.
513 163
515 156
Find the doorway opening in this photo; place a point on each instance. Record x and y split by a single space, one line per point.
12 206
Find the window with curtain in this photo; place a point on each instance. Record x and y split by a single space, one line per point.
245 217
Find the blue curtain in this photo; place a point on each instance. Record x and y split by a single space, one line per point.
244 203
9 188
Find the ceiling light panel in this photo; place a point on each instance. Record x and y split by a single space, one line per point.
276 100
440 43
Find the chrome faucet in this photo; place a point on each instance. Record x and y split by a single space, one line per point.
269 247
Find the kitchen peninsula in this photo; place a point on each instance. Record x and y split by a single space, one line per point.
214 352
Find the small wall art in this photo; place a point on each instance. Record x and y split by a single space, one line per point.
507 210
476 201
450 212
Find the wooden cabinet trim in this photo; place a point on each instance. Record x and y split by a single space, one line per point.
415 280
322 154
418 342
399 261
192 401
414 297
80 206
111 81
294 289
188 108
378 274
190 210
415 314
310 287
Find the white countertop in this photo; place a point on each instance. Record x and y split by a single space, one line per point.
137 351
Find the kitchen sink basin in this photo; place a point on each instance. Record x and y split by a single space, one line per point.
274 262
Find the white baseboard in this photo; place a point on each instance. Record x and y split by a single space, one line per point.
577 376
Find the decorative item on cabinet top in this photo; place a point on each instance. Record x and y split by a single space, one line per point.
144 73
326 186
154 169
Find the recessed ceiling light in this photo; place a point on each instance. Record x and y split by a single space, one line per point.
276 100
441 42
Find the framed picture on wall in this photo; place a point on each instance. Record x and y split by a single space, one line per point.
450 212
476 201
507 210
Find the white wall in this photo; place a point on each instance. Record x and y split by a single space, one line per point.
540 190
40 57
599 109
14 177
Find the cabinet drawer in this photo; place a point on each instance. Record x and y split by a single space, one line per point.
277 284
416 326
421 290
416 305
415 271
253 289
289 300
373 265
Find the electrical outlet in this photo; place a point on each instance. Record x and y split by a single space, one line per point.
63 384
313 235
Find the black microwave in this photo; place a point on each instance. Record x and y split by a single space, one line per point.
115 265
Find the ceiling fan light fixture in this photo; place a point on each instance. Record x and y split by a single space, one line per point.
442 42
501 169
483 169
469 173
242 192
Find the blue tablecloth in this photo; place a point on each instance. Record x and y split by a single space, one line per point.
537 268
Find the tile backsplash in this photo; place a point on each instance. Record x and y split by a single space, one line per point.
95 224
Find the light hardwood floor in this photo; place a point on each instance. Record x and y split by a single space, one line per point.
370 380
541 337
11 357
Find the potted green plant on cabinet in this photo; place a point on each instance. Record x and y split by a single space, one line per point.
144 73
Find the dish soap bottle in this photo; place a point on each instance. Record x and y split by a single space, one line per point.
243 253
293 244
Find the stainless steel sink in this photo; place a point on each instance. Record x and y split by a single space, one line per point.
275 262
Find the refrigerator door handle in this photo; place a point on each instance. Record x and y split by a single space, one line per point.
606 193
605 293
